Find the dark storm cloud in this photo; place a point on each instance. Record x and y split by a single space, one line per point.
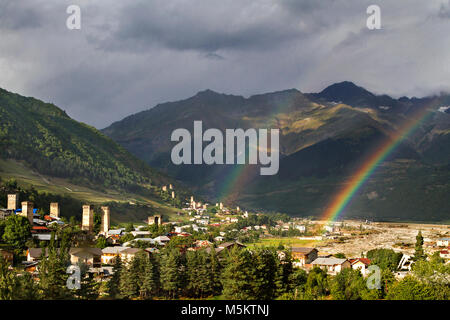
16 15
203 26
444 10
131 55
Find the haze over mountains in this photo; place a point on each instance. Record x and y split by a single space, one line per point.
323 137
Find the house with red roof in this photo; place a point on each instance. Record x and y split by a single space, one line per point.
361 264
444 254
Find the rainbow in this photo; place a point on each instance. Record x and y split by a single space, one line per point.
236 179
239 175
342 198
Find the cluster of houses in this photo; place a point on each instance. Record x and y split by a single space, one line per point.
100 260
308 258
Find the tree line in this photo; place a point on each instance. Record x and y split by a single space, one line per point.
263 273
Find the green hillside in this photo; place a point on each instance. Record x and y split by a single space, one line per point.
52 143
43 148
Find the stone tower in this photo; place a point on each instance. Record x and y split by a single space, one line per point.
156 219
88 218
105 220
164 188
173 194
54 210
170 186
221 206
13 201
27 211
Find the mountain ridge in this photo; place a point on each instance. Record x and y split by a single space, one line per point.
315 128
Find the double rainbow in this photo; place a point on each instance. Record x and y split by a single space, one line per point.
342 198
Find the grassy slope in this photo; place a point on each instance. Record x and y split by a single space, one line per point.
27 177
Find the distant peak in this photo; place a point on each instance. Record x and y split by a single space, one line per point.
207 92
345 85
281 93
345 91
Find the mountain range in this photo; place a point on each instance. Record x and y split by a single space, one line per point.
323 138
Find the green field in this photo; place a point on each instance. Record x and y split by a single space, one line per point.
285 241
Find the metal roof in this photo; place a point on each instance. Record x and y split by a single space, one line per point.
328 261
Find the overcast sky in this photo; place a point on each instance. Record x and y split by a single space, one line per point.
130 55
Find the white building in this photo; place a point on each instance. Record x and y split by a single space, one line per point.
162 240
333 265
109 253
443 242
219 239
140 233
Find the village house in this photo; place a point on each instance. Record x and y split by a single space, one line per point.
30 267
162 240
35 254
226 246
117 232
360 264
202 243
129 253
303 255
150 241
332 265
88 256
4 213
443 242
42 233
110 253
444 254
202 221
140 233
113 239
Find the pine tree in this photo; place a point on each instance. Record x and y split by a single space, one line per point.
267 274
193 274
26 288
53 277
7 281
149 278
171 272
128 281
113 285
89 289
216 272
419 254
238 275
